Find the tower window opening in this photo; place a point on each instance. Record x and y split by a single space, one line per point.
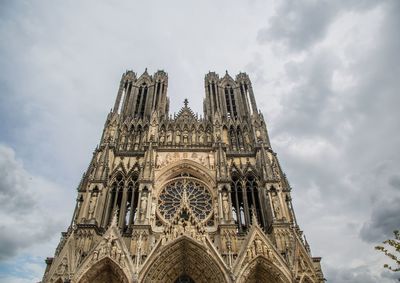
157 94
138 99
248 98
230 101
228 105
214 95
121 101
233 102
127 98
253 199
143 102
238 203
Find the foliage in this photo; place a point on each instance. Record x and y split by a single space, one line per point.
395 244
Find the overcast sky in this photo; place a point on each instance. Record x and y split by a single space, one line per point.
326 76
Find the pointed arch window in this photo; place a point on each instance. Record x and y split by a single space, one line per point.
158 89
213 93
230 101
115 197
245 198
132 200
121 100
141 101
238 203
253 198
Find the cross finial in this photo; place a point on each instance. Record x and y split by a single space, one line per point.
186 102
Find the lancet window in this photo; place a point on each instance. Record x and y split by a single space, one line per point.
121 101
141 101
245 201
212 90
230 101
123 200
157 96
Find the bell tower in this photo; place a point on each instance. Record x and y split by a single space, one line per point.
184 198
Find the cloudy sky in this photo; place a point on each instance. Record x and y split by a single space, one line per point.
326 76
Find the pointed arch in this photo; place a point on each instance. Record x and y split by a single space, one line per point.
184 257
105 270
188 166
306 279
261 270
254 197
120 170
238 204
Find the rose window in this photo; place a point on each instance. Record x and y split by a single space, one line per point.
181 191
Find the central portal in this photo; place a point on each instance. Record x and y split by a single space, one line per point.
184 279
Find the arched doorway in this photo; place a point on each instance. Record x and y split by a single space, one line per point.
105 271
184 261
184 279
261 270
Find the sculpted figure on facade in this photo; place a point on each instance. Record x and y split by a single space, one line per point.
143 206
225 205
92 205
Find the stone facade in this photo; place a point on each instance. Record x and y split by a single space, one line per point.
184 198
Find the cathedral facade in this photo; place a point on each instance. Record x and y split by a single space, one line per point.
184 198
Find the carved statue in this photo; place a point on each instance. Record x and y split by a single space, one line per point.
193 137
225 205
143 206
112 130
162 137
92 205
169 136
277 208
209 137
258 135
201 137
246 138
177 137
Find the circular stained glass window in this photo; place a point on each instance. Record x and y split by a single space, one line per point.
185 189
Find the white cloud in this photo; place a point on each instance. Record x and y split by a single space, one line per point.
25 200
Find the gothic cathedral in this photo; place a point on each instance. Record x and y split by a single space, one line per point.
184 198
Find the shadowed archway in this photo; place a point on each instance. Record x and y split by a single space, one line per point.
105 271
261 270
184 260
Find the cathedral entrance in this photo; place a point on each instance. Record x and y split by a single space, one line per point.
184 261
184 279
105 271
261 270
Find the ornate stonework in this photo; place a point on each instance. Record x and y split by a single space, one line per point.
184 198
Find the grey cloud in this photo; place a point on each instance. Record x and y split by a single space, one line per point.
22 197
300 24
360 274
395 181
384 220
353 182
14 195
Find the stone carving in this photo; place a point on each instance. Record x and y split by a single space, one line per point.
92 205
277 207
225 205
111 249
165 158
62 269
143 206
